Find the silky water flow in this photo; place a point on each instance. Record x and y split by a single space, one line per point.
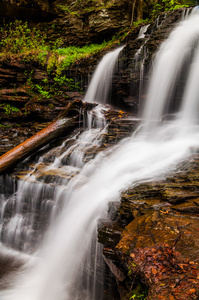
18 231
158 145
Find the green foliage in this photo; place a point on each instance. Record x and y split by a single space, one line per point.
9 109
42 91
68 83
47 89
139 293
18 38
140 22
166 5
2 126
52 61
28 43
131 269
71 54
64 81
138 297
67 8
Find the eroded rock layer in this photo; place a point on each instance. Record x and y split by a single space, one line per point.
153 236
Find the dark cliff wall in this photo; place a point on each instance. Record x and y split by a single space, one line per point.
77 22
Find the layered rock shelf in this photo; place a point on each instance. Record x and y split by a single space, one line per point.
152 239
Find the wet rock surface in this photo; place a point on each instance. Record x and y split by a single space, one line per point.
11 263
46 178
86 21
120 125
153 236
131 81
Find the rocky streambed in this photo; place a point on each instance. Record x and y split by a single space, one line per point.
151 240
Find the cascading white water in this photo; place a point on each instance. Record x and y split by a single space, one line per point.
145 156
98 92
185 13
168 65
139 59
32 193
18 230
133 161
142 31
190 101
99 88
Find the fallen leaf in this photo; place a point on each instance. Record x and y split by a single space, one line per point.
154 271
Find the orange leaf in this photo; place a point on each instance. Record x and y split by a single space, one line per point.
192 291
154 271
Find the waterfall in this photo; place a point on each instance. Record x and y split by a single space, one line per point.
99 88
142 31
172 62
190 100
18 229
140 58
144 156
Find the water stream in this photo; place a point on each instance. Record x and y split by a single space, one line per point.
150 153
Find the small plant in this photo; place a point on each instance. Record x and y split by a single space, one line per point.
140 22
131 268
138 297
139 293
2 126
62 80
9 109
41 90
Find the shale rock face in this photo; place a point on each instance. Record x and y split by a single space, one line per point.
88 21
153 237
32 10
73 22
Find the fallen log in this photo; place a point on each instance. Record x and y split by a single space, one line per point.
65 122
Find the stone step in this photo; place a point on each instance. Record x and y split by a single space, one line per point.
44 172
9 98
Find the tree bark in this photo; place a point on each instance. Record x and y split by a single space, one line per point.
140 10
132 12
66 121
